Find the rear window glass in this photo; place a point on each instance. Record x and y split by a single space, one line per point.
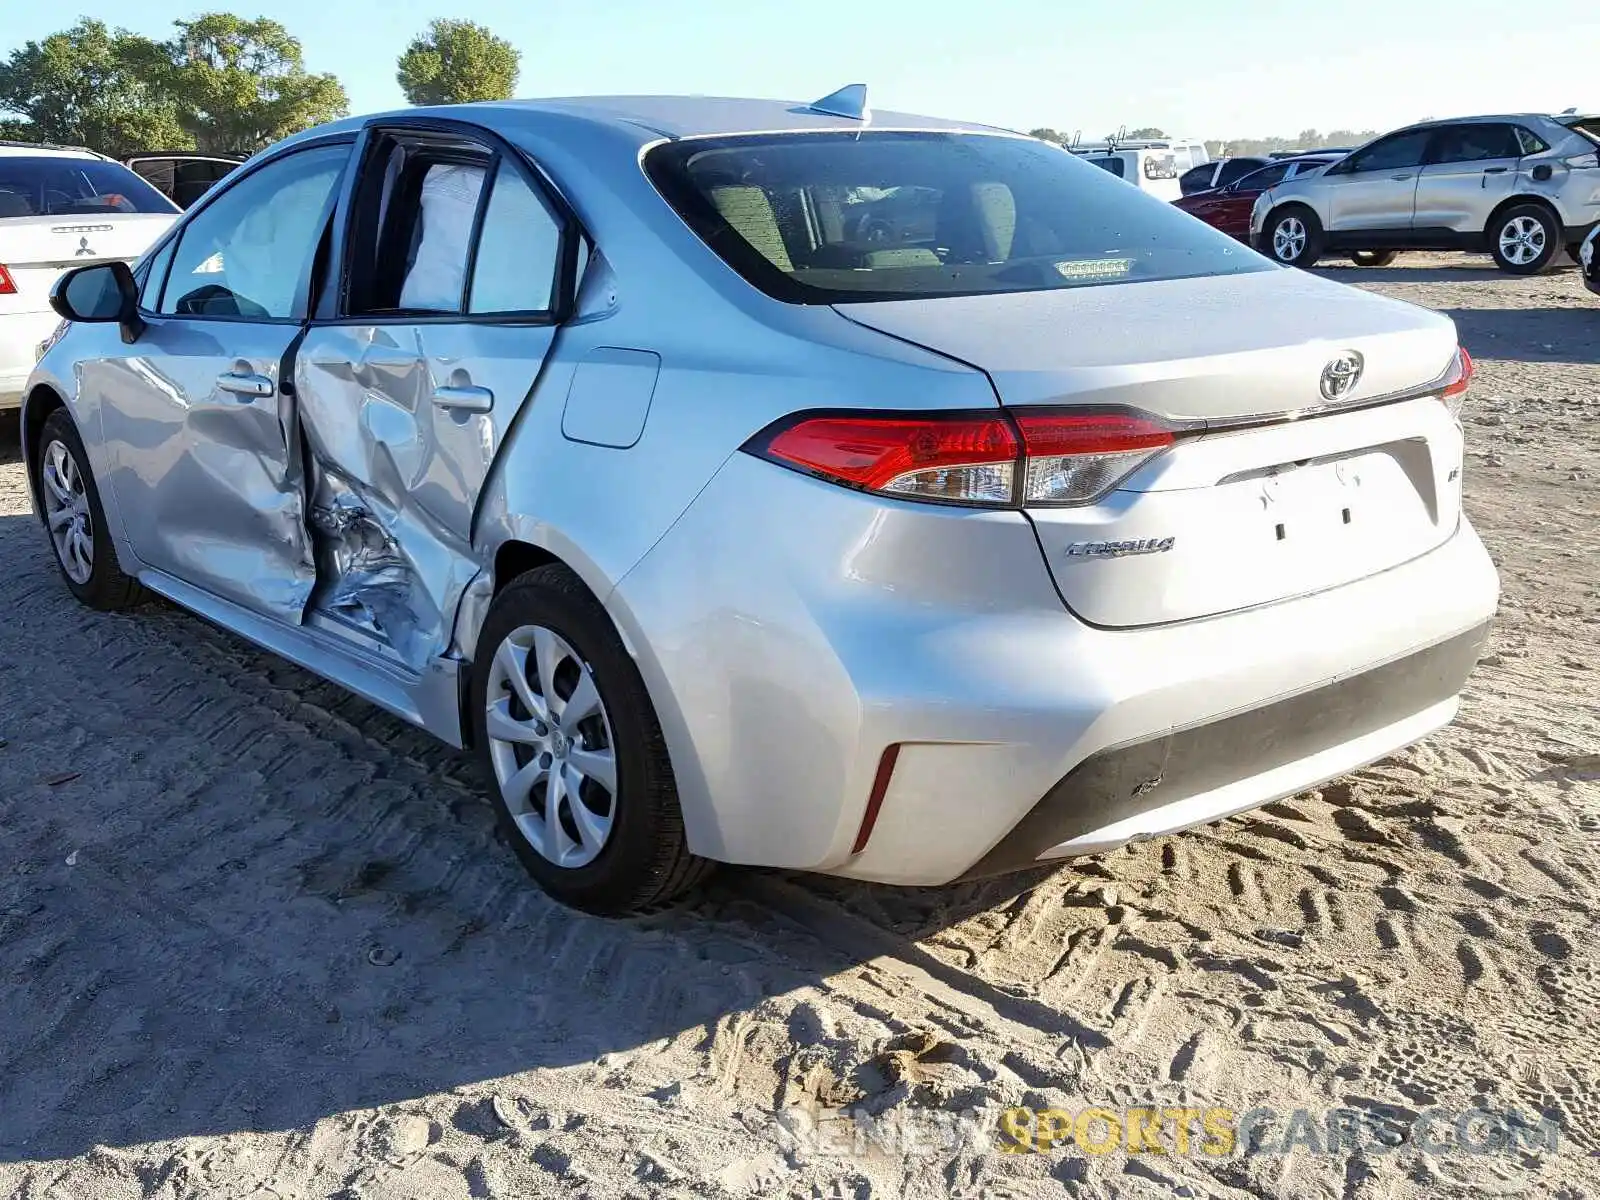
830 218
49 186
1113 164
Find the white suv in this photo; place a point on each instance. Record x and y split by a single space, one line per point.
61 207
1521 187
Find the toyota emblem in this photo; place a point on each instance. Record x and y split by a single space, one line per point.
1339 377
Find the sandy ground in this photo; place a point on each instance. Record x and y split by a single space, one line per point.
257 939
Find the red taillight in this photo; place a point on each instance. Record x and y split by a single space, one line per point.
7 286
962 458
1457 379
1039 456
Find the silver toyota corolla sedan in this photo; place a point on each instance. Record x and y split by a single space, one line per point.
776 483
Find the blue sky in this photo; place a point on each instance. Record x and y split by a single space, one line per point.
1223 68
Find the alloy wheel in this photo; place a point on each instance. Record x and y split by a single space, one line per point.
1522 241
551 747
1289 239
66 511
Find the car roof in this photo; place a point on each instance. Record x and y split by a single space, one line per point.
45 150
1487 118
649 118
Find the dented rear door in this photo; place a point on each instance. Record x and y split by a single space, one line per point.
403 423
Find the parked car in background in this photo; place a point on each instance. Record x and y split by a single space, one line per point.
1589 260
61 207
1152 165
1228 208
180 176
1021 519
1220 173
1521 187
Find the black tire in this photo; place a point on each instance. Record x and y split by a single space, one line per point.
1574 249
645 861
1549 238
1373 258
106 587
1311 246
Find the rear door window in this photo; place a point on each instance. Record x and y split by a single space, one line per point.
1474 142
1266 177
1236 168
1198 179
58 186
834 217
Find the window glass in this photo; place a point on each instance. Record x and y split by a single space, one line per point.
1474 143
927 214
1197 179
1112 163
249 252
1264 178
61 185
154 274
1531 143
515 267
1392 153
437 274
1236 168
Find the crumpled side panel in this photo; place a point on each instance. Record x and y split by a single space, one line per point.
385 563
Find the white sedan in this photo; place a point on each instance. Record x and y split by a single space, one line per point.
61 208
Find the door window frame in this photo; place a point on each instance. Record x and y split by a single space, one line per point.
1348 164
1432 158
307 285
356 199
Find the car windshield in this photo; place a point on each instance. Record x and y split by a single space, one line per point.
56 185
835 217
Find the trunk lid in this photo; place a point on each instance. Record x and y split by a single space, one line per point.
1250 506
36 250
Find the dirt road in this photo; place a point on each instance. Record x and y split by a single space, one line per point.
257 939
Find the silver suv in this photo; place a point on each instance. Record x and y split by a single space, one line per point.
1521 187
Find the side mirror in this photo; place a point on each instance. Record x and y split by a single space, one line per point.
101 293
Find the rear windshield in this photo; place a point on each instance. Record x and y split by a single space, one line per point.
827 218
51 186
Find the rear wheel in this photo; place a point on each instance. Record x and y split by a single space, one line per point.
1294 236
76 521
1373 258
1524 239
582 782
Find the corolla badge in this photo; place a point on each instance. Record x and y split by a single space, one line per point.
1120 549
1339 377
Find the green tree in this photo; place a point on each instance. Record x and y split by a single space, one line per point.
239 85
1046 134
457 62
92 86
1149 131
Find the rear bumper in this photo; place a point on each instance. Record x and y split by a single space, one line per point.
1191 776
784 655
21 334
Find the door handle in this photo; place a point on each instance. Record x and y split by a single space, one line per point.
1494 170
1399 178
245 384
464 399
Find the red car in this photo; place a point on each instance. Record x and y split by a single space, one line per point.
1228 208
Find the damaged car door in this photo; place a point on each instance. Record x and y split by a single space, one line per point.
458 265
198 425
